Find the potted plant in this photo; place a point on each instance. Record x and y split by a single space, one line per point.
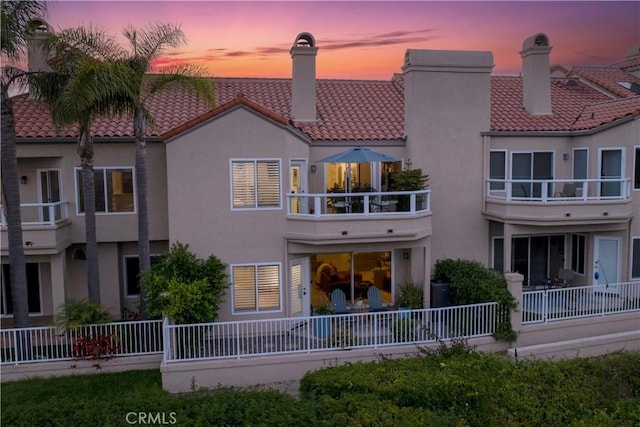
409 179
322 325
410 297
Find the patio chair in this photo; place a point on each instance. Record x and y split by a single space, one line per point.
568 190
339 301
375 299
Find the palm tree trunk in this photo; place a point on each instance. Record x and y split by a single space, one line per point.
11 205
85 151
144 251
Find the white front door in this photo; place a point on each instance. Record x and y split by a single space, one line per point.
300 291
298 185
606 262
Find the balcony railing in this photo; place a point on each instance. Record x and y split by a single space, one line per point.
551 190
39 213
378 203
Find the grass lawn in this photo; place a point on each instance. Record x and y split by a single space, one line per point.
452 387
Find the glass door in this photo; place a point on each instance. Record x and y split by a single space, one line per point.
530 167
50 192
298 185
611 169
299 277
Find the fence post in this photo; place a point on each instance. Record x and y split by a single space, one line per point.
165 339
514 285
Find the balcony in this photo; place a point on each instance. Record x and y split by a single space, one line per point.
556 202
359 217
45 228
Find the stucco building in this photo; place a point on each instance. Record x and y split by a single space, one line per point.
538 174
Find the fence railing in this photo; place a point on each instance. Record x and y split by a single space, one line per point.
369 203
550 190
249 338
584 301
28 345
40 213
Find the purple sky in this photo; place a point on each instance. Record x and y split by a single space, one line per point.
366 39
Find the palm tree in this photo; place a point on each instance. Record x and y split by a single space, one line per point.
15 28
85 82
146 46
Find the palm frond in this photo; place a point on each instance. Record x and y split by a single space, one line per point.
13 75
187 76
77 43
16 18
154 39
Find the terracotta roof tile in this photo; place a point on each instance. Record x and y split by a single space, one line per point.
607 78
350 110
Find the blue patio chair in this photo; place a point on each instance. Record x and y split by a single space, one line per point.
375 299
339 301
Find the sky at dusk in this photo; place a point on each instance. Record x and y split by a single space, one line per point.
365 39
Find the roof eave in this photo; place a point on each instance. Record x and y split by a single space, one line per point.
580 132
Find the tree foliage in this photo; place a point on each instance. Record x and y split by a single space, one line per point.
184 287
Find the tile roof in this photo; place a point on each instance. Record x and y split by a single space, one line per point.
354 110
607 77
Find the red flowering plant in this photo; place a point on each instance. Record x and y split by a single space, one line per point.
94 347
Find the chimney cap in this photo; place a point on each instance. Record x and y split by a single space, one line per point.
304 40
540 40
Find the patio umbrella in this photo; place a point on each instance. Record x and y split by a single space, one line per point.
358 155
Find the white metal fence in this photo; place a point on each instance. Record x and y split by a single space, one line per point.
44 344
584 301
320 333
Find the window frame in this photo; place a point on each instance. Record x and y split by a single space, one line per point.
255 206
584 254
257 309
636 168
3 308
78 170
125 274
498 186
634 254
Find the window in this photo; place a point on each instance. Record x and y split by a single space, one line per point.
636 173
498 254
255 184
635 258
114 190
497 168
530 168
33 288
256 288
577 253
131 273
580 162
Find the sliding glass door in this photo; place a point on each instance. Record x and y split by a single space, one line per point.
529 167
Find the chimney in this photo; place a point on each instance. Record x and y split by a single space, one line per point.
36 55
536 77
303 85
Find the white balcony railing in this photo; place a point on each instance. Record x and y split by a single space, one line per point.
39 213
378 203
551 190
584 301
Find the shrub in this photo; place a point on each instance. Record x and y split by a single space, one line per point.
473 283
76 313
410 296
185 287
94 347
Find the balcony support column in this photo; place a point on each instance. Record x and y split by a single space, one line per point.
58 274
506 256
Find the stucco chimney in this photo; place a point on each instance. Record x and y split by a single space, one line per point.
303 85
36 55
536 77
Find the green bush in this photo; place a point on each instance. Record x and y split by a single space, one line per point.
76 313
186 288
410 296
473 283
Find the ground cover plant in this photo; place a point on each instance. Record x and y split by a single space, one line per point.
450 386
